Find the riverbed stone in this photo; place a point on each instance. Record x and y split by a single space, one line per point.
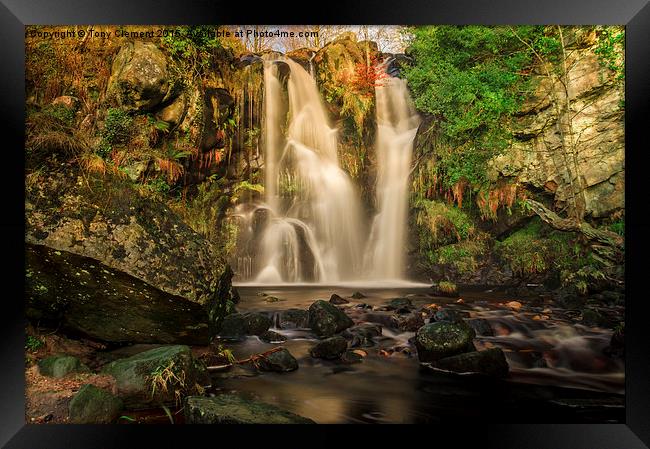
491 362
272 337
61 365
293 319
237 325
361 335
411 322
481 326
134 375
450 315
92 405
330 348
326 319
234 409
279 361
336 299
442 339
399 304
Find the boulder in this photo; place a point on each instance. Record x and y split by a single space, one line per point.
401 305
140 79
362 335
92 405
61 365
234 409
442 339
89 298
326 319
491 362
330 348
279 361
411 322
237 325
336 299
137 377
293 319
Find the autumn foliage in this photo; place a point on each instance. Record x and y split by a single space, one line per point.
367 75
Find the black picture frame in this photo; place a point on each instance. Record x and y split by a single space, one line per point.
635 14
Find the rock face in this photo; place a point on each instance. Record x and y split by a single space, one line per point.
84 296
139 76
135 376
597 123
491 362
280 361
110 222
330 348
442 339
326 319
233 409
61 365
92 405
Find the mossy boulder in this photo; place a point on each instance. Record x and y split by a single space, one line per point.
279 361
137 376
491 362
140 78
330 348
234 409
435 341
61 365
293 319
325 319
92 405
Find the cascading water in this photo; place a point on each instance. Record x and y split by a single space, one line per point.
313 229
314 232
397 125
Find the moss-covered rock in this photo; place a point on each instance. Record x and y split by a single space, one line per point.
158 376
233 409
61 365
279 361
92 405
326 319
442 339
491 362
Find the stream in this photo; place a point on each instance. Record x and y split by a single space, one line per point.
558 371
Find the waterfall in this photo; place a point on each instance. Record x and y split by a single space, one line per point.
310 227
314 232
397 125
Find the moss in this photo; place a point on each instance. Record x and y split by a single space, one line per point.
463 256
447 287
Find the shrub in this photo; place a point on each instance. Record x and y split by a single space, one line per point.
117 126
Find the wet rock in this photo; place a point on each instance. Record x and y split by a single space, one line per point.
61 365
358 295
411 322
293 319
234 409
279 361
450 315
362 335
92 405
481 326
330 348
86 297
399 304
384 319
362 306
351 357
616 348
139 76
272 337
237 325
326 319
256 323
336 299
594 317
491 362
442 339
135 375
221 301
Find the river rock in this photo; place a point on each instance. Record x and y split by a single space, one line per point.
400 304
384 319
134 374
481 326
358 295
411 322
362 335
326 319
139 76
238 325
280 361
330 348
61 365
336 299
442 339
272 337
293 319
234 409
84 296
450 315
92 405
491 362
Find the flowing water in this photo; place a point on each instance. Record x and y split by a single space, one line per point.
311 227
558 371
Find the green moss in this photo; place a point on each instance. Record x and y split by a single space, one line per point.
463 256
60 112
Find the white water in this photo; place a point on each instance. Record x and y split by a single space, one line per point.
315 232
397 124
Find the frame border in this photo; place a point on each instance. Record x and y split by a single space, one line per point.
635 14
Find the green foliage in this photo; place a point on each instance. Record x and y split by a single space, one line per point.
191 42
158 186
33 343
442 223
447 287
611 50
463 256
227 354
618 227
117 130
60 112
